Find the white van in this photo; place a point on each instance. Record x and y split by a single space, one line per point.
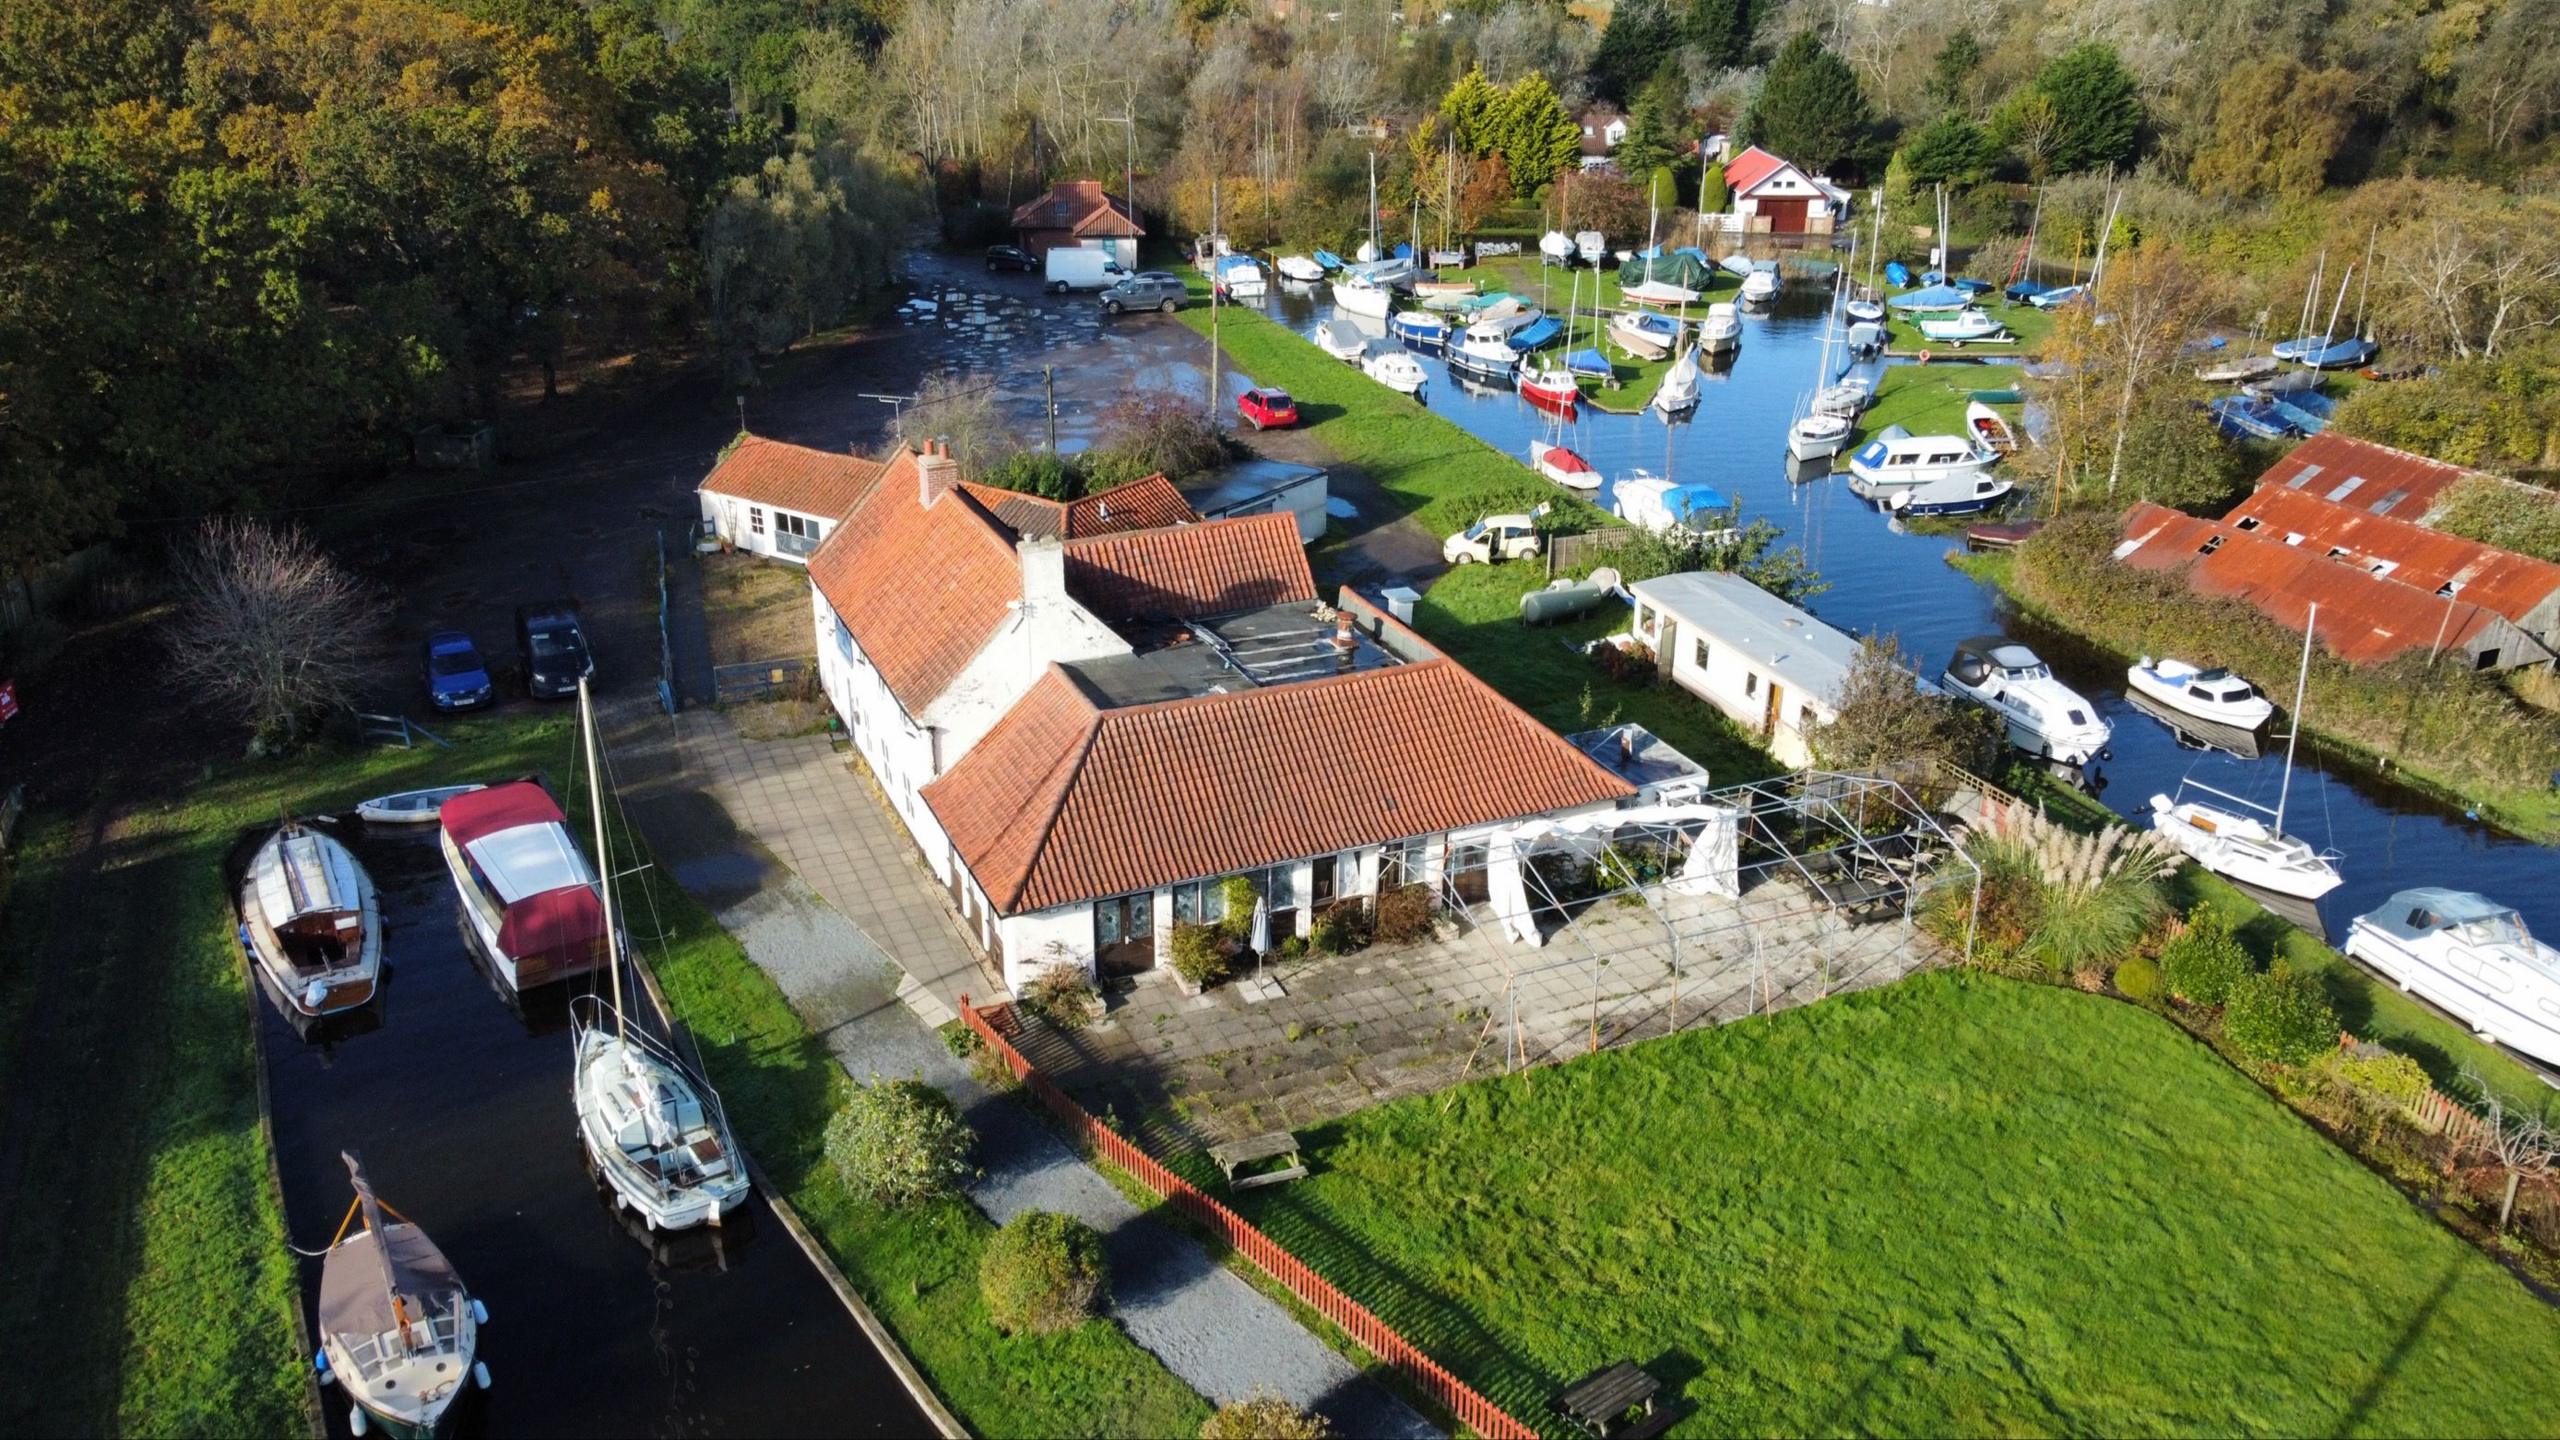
1081 267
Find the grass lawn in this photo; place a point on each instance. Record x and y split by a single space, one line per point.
1930 399
160 1299
2028 327
1473 612
1427 466
758 609
1953 1205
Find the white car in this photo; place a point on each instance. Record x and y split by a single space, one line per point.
1495 537
2045 717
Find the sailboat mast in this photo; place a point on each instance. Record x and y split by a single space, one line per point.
2293 732
604 857
381 1243
2331 329
2367 292
1373 204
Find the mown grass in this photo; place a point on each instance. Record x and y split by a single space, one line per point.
160 1301
1428 468
2028 328
1473 613
1955 1205
1930 399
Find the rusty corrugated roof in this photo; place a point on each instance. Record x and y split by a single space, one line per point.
2427 560
791 477
1066 801
2374 479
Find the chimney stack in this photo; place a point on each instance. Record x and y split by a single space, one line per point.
1044 573
1346 645
936 471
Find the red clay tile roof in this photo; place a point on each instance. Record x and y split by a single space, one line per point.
2364 618
921 587
792 477
1211 568
1080 206
1750 168
1063 801
2388 482
2513 585
1139 505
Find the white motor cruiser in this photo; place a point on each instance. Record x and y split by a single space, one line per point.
2472 956
1721 330
1342 340
1896 458
1759 287
397 1329
311 922
2216 694
1483 359
1819 437
2238 846
2045 717
1963 327
1390 365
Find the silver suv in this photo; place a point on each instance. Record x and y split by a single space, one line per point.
1146 290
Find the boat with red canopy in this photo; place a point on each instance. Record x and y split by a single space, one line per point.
528 894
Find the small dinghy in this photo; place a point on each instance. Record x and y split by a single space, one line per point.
1679 388
1845 398
1591 245
1644 334
1563 466
1989 428
2237 370
311 923
1298 268
1964 327
1342 340
1760 287
409 807
1556 247
1446 287
1868 312
1326 260
398 1331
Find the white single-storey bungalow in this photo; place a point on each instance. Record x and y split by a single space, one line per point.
779 500
1770 665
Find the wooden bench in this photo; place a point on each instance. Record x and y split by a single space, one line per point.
1597 1402
1236 1154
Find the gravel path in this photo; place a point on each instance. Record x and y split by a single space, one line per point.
1225 1339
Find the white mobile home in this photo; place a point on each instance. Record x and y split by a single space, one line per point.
1770 665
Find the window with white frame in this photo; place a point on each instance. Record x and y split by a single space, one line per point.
755 520
798 525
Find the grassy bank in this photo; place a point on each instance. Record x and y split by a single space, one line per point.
1427 466
1473 612
1954 1205
1930 399
2028 327
2368 716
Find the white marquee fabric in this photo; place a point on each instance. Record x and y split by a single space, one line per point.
1712 868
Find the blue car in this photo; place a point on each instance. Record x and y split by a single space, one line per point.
456 677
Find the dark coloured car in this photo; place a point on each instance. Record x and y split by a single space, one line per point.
456 677
1146 290
554 647
1009 257
1267 409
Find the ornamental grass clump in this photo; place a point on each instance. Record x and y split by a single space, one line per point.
2056 902
1264 1417
899 1142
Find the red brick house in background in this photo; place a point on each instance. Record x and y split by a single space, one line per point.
1079 212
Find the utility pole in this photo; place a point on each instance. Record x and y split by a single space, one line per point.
1049 385
1215 235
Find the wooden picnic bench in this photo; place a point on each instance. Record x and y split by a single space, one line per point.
1600 1400
1234 1155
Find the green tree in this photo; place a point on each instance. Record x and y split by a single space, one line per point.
1950 85
1950 150
2097 110
2276 124
1718 32
1810 109
1713 195
1535 137
1472 110
1641 39
1652 139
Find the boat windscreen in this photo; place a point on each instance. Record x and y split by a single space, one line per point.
2506 929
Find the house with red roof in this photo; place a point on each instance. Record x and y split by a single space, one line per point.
779 500
1772 197
1079 212
1088 726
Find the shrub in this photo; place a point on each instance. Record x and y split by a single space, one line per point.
1037 472
2139 979
1628 664
1292 946
1341 929
1042 1272
1199 954
1264 1417
1404 914
1060 995
2279 1017
898 1142
960 1040
1154 432
1240 898
2204 962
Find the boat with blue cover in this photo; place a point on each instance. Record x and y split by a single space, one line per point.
1537 334
2323 353
1933 298
1328 260
1420 329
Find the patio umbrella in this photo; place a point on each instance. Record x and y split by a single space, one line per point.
1261 940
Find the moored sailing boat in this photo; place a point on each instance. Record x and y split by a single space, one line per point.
652 1128
397 1329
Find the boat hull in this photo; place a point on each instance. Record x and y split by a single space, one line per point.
1563 466
2249 864
662 1207
2471 1001
1370 300
2173 696
335 988
1815 439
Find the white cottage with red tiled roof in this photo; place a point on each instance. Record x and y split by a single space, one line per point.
779 500
1772 197
1086 733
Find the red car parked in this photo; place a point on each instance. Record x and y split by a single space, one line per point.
1267 409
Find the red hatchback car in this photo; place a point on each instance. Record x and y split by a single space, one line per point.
1267 409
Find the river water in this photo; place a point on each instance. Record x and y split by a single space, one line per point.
1884 580
458 1105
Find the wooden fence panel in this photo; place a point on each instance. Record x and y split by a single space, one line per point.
1377 1337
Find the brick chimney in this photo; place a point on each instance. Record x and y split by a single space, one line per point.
1044 573
936 471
